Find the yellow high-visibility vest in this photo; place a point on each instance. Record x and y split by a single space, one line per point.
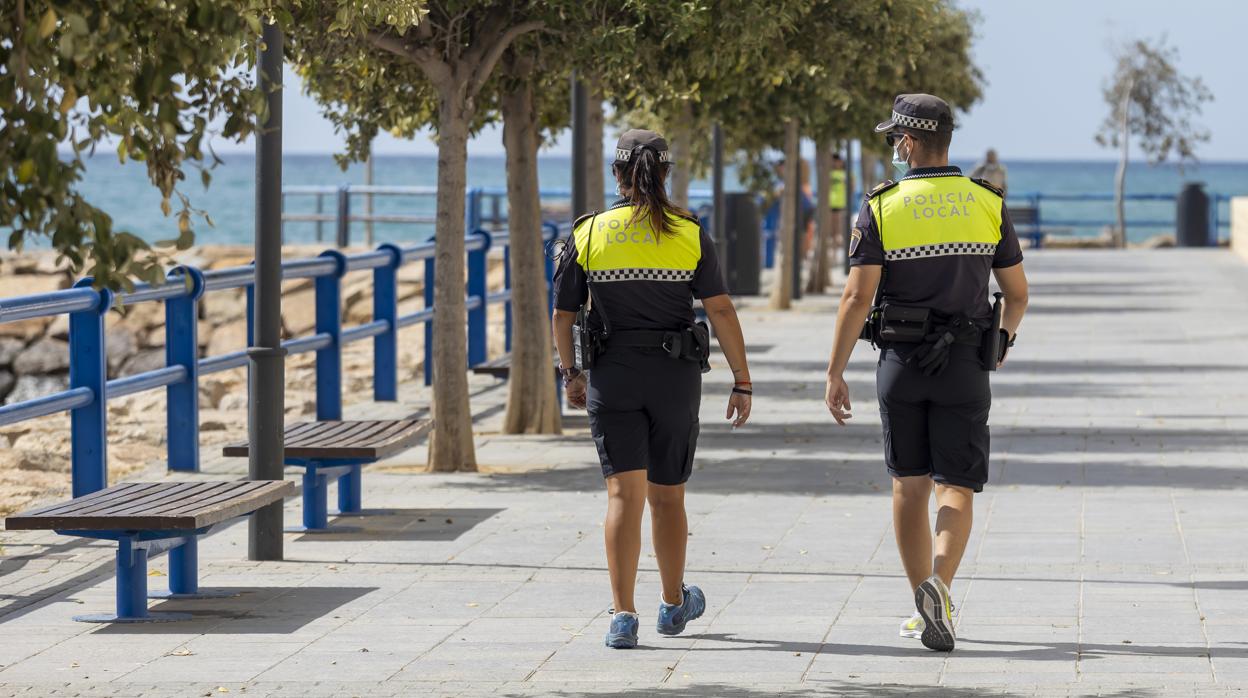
623 250
936 216
836 189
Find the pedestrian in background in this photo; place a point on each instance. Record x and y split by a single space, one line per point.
991 171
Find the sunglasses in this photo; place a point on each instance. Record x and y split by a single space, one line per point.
893 137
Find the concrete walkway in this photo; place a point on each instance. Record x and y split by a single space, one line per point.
1108 558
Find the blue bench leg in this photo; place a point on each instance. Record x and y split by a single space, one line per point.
184 567
184 575
315 500
131 590
349 495
316 477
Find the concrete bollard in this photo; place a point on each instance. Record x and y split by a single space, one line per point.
1239 226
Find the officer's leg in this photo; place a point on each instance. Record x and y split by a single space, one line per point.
670 527
907 453
620 431
960 445
912 527
672 409
626 499
953 528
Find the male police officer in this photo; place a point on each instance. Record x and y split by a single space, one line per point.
923 246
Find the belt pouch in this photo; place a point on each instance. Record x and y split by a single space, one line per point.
901 323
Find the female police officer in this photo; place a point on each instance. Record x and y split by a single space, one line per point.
640 264
927 244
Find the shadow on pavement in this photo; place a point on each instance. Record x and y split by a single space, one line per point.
257 610
404 524
969 647
815 688
746 462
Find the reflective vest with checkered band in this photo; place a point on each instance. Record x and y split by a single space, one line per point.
621 249
937 216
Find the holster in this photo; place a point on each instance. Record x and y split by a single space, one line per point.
992 347
587 343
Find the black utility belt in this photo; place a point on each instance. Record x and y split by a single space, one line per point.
934 334
690 343
906 324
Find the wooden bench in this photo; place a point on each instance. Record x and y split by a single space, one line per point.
501 368
146 518
338 449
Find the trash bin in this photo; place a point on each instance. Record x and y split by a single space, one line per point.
1191 226
742 246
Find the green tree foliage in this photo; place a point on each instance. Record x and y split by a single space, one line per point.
153 78
1149 98
399 66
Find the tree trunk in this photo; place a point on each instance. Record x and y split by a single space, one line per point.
870 164
451 447
682 151
594 166
1120 177
819 267
786 243
532 405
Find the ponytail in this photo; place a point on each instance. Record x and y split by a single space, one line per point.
644 176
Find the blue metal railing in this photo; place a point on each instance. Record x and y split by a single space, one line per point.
485 206
90 389
1036 200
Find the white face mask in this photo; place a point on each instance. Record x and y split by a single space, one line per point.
902 164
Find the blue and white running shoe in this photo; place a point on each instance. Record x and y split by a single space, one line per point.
672 619
623 632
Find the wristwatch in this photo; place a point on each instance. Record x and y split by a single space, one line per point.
569 374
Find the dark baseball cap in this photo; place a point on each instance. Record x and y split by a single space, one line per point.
635 137
920 112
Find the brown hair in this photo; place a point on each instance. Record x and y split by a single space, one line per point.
644 176
934 142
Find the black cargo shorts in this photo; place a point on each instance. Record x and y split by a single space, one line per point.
643 413
935 425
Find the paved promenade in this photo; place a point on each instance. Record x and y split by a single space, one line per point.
1109 555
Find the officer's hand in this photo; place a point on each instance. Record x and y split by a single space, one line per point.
577 392
837 399
740 404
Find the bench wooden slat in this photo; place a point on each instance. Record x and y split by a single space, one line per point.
146 500
207 504
380 432
99 496
346 440
501 367
345 434
198 500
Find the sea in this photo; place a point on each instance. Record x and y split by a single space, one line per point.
124 192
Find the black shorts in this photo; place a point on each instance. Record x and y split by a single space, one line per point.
935 425
643 413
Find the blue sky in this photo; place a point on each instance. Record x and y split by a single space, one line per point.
1045 62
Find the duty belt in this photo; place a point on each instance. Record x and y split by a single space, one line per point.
691 343
644 339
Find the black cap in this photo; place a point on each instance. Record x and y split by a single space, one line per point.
639 137
919 112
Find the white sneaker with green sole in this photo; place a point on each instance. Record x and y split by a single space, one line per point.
913 627
932 601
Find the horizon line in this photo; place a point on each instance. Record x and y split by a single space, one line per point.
502 154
